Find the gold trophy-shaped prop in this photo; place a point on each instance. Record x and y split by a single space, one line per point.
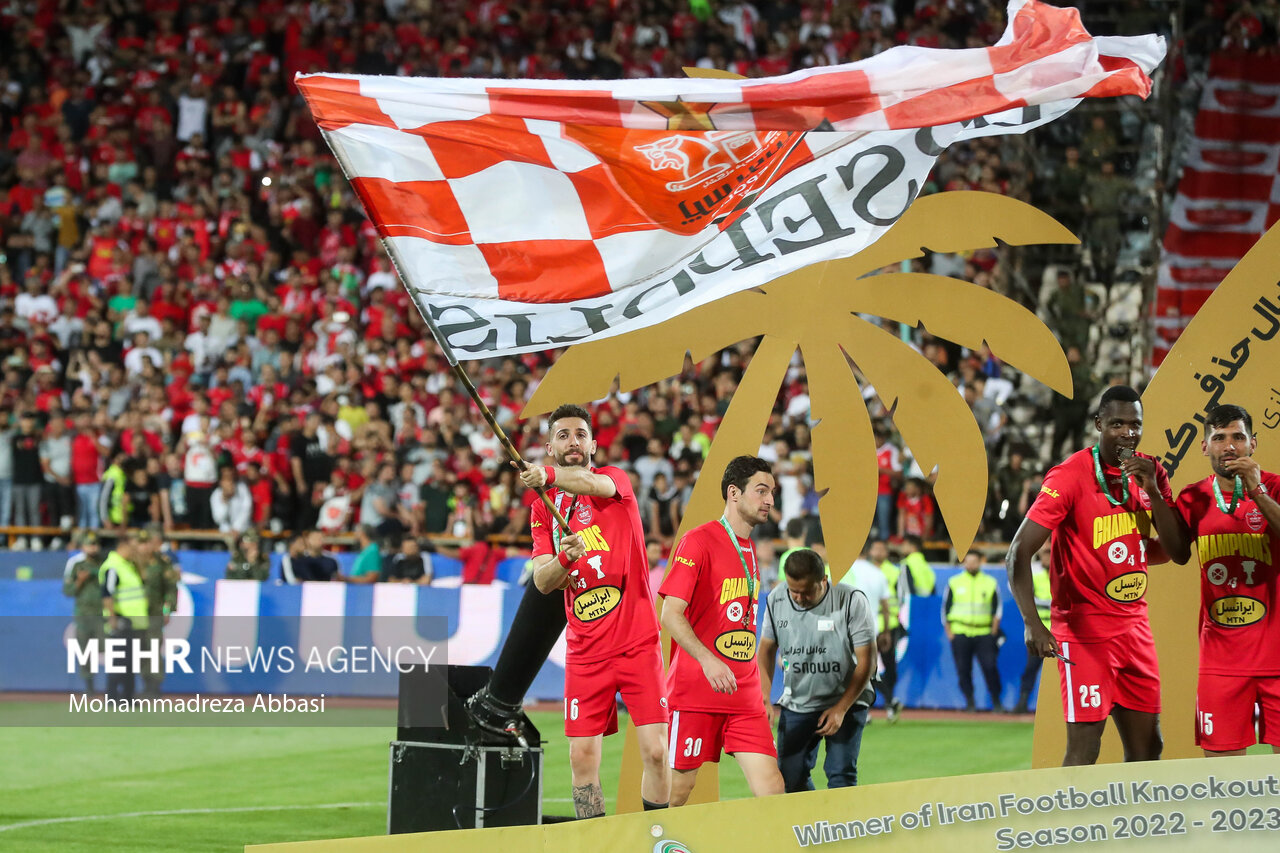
816 309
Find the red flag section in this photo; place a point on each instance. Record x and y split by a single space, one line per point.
1229 194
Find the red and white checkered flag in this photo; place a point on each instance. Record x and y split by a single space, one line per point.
530 214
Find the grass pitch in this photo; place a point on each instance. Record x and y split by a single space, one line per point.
217 789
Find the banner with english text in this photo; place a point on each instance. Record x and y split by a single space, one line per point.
1185 805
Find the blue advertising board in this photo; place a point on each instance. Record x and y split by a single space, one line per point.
327 618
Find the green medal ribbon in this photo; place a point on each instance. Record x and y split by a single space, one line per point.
1102 482
751 581
1236 491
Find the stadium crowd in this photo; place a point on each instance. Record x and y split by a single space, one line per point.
199 328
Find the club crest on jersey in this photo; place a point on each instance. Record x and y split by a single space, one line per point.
737 645
1127 587
597 602
1254 519
734 611
1236 611
1118 552
1217 574
584 513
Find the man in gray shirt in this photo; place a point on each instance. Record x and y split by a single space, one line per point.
826 633
379 508
55 460
7 432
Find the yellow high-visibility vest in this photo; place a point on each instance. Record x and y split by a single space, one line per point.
891 573
923 580
1042 592
971 610
130 600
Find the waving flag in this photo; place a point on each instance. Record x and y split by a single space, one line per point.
524 215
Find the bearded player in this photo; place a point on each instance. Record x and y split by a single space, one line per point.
612 633
1099 505
711 593
1232 518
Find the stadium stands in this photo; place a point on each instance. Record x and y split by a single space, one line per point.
190 284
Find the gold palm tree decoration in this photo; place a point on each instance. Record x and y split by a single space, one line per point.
816 309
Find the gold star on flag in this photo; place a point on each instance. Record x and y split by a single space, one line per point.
683 115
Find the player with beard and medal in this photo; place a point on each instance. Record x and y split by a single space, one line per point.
612 634
1099 504
709 609
1231 518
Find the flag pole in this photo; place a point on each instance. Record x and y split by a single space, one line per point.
540 619
448 351
440 340
461 374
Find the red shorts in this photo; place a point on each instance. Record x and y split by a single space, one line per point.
1122 670
1225 711
698 736
591 690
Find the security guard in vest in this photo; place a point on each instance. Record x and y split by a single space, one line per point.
160 576
915 568
80 581
124 605
971 614
1044 596
878 554
111 497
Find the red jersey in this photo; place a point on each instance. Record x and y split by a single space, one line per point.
609 606
887 457
707 573
913 512
260 491
86 462
1099 574
1239 631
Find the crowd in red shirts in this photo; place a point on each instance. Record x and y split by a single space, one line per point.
191 289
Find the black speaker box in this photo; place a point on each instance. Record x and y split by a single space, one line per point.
454 775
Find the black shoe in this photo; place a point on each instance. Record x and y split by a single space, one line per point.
969 708
495 717
1021 708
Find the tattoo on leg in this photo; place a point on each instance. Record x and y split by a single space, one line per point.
588 801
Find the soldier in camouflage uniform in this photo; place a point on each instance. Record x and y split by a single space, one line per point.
1105 198
248 561
160 575
80 581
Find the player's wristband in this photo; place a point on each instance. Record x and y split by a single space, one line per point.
564 559
551 474
1260 489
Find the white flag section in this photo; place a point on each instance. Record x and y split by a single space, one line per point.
529 214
